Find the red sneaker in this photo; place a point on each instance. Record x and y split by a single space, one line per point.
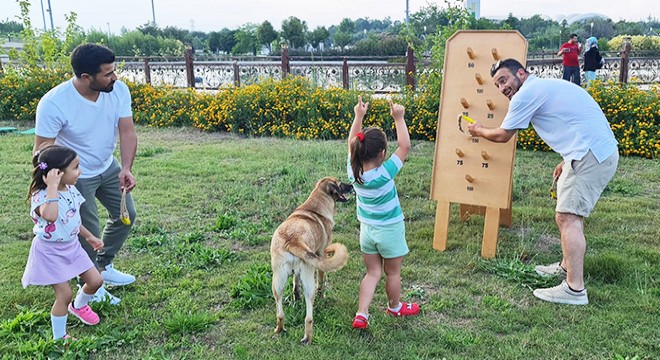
360 322
407 309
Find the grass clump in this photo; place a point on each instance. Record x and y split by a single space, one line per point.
254 288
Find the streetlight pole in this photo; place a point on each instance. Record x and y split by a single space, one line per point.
43 15
50 12
153 12
407 19
592 30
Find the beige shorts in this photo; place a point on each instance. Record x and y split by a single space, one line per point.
581 183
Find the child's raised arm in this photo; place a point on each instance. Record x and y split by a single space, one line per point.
360 111
49 210
403 138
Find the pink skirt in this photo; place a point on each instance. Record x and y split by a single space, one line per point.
51 263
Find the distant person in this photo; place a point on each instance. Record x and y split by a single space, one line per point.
570 51
592 59
570 121
382 229
87 114
56 255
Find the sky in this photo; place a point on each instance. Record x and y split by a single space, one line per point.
213 15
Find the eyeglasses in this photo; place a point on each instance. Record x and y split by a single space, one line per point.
495 67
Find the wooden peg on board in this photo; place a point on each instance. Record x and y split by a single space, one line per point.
469 178
464 103
459 152
490 104
480 80
485 155
496 56
471 53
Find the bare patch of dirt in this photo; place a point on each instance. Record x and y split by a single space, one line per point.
546 242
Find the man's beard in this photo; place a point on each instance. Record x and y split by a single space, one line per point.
517 84
106 89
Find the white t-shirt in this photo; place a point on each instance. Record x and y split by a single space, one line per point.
67 225
88 127
564 115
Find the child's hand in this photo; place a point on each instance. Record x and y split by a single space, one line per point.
53 177
97 244
396 110
360 108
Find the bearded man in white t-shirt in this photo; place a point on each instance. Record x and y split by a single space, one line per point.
585 141
87 114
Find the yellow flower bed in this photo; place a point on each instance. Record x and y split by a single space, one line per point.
294 107
289 108
634 115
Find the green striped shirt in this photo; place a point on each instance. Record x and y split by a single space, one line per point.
377 199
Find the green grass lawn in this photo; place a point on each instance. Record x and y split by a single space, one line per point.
208 204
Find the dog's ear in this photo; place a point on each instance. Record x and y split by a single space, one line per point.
339 189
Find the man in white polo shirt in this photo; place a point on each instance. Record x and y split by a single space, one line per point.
87 114
570 121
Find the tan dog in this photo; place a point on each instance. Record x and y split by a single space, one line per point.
300 246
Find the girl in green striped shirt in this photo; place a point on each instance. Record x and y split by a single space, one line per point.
382 230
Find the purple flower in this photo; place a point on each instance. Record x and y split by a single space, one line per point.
42 166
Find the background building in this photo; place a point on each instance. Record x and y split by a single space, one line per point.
473 7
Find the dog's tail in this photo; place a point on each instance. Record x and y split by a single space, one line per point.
324 263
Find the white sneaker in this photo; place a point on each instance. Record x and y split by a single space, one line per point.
114 277
102 295
562 294
551 270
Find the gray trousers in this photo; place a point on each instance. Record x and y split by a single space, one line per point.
104 187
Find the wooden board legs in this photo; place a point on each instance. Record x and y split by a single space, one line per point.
491 227
441 226
494 218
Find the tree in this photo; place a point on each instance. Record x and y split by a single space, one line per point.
430 17
175 33
150 29
198 39
341 39
266 34
347 26
344 34
319 35
629 28
246 40
511 22
222 41
362 24
10 27
293 31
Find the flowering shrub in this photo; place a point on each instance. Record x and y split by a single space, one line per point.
294 107
20 91
634 115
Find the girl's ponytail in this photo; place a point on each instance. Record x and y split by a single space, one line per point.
357 150
365 146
